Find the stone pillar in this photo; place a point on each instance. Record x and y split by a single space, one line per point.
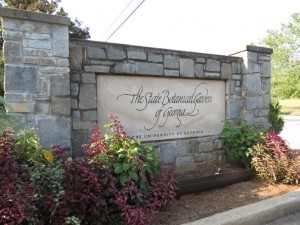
37 83
256 84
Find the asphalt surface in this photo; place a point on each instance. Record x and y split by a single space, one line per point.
291 131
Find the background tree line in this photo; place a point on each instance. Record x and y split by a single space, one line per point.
285 59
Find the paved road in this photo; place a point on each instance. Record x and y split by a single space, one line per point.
292 219
291 131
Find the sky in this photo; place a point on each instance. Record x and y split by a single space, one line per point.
207 26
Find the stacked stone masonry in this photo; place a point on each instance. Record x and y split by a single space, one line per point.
37 80
62 106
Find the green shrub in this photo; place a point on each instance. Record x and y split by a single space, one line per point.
274 161
119 181
238 138
274 117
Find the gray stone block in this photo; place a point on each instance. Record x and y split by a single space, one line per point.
149 68
254 103
266 69
171 62
75 76
233 109
12 35
238 91
256 68
212 75
19 78
137 55
20 107
11 24
12 52
59 84
74 103
74 89
76 115
218 144
236 77
37 52
97 69
187 68
230 87
213 65
60 40
206 146
226 70
79 137
54 130
37 44
116 54
41 107
185 162
63 62
47 62
236 67
262 57
252 82
18 97
249 117
252 56
31 60
194 146
181 147
199 68
266 86
125 67
156 58
200 60
168 153
171 73
76 57
89 78
87 96
267 100
61 106
82 125
264 112
89 116
36 36
95 53
55 70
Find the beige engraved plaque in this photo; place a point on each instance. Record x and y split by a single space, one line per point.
152 108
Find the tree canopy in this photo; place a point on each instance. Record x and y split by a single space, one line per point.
286 58
49 7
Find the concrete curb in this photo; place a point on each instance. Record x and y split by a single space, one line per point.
258 213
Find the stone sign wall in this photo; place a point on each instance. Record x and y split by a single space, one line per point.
61 88
152 109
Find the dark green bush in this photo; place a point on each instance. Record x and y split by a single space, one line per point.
238 138
274 117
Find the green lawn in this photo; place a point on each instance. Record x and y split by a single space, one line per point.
290 107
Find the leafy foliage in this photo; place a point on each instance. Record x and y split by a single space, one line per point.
274 117
238 138
274 161
141 189
118 182
285 58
